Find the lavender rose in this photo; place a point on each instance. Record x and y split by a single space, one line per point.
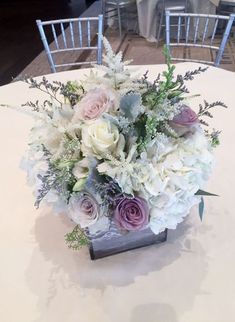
132 214
94 104
184 122
186 117
83 209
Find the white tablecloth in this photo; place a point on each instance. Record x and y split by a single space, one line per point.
147 14
190 278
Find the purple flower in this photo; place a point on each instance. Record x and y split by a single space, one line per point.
132 214
184 122
186 117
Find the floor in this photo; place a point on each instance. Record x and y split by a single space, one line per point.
19 41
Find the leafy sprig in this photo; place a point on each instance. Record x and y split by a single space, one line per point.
170 88
148 126
58 177
76 239
45 86
205 110
72 91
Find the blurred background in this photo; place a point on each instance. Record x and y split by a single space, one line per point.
18 49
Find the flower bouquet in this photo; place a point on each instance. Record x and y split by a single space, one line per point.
124 158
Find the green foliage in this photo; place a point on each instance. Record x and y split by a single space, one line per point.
71 91
64 179
215 138
59 175
71 149
201 204
204 193
148 130
170 88
76 239
201 208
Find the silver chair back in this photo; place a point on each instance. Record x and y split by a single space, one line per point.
171 5
113 8
68 35
191 36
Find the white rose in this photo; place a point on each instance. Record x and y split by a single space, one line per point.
99 137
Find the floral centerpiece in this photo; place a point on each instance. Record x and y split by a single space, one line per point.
116 151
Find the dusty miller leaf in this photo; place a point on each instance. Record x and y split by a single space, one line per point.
131 105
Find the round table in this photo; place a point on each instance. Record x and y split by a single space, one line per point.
189 278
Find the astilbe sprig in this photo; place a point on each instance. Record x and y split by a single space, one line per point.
114 70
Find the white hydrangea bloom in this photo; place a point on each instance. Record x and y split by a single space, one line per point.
187 167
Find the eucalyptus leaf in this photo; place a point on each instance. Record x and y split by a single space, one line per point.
201 208
205 193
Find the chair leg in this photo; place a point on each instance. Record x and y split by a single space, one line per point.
119 21
160 27
103 11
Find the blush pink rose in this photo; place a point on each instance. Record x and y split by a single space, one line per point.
94 104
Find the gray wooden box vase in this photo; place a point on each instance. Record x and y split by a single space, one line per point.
114 241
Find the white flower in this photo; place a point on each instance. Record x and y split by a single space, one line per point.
54 200
169 217
81 169
99 138
35 163
122 171
187 168
101 225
